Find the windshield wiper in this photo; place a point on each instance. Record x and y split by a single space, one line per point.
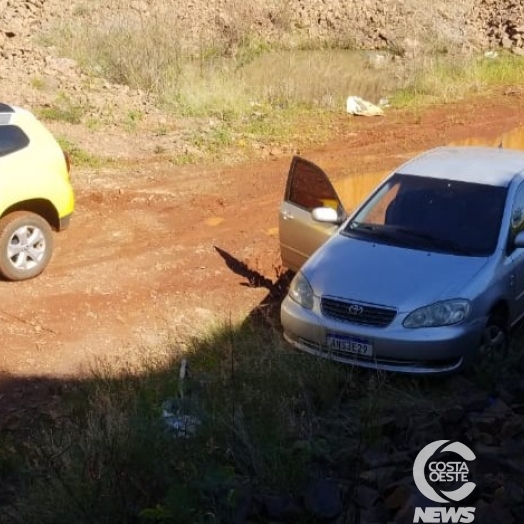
437 242
375 231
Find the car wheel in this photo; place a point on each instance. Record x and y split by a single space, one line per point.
495 339
26 245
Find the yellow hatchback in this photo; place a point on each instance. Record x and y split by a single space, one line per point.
36 196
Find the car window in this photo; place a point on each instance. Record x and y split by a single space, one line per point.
517 213
309 187
377 212
434 213
12 139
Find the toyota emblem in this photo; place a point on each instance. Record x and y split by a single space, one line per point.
355 310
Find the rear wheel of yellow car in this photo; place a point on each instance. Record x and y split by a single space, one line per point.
26 245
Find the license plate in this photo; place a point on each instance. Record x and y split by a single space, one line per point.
353 345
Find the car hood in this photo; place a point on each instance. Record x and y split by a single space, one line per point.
388 275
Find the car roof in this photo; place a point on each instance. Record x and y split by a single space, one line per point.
483 165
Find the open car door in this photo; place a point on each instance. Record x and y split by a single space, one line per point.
308 187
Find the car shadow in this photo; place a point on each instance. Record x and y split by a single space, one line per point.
267 311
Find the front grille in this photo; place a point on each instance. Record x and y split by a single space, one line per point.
357 313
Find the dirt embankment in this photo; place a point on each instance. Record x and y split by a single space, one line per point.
407 27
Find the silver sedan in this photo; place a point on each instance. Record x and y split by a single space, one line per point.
424 275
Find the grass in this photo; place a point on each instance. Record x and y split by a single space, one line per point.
63 110
444 79
270 418
226 80
78 156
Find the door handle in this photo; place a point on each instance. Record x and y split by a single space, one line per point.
286 215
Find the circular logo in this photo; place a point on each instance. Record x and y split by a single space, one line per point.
443 471
355 309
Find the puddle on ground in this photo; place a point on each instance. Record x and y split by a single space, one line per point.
325 77
513 139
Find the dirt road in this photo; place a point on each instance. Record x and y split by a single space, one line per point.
140 265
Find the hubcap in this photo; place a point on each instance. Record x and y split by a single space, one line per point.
26 248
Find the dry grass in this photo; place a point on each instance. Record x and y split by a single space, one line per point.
259 93
270 417
228 77
441 79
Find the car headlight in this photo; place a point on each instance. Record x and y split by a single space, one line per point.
301 292
443 313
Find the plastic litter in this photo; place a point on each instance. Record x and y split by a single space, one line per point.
175 416
358 106
177 413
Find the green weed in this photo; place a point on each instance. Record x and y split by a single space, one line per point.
78 156
63 110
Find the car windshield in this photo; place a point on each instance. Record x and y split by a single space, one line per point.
433 214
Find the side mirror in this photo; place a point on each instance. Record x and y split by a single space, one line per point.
519 239
326 214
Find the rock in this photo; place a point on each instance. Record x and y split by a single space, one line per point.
399 497
512 428
497 409
282 508
426 432
63 65
452 415
485 438
483 422
476 401
322 498
379 477
366 497
373 458
495 512
375 515
519 51
512 493
507 43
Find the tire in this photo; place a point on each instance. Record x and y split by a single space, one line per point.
26 245
495 340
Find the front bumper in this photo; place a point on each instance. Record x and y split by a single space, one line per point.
395 348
